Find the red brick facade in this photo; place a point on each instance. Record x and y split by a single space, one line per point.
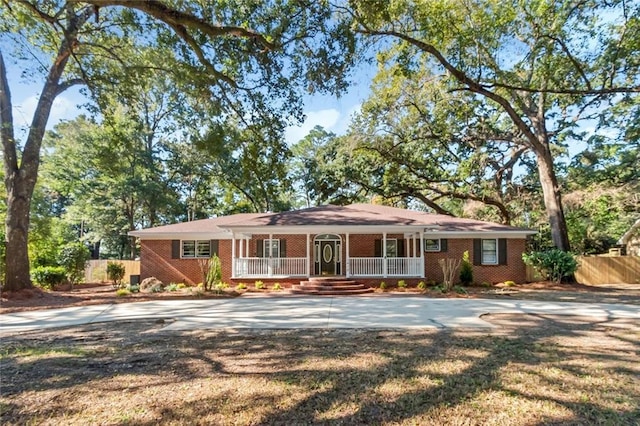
156 258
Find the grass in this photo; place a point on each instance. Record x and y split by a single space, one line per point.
533 370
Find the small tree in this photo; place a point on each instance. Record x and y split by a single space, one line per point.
211 270
74 258
115 272
449 269
466 270
553 264
214 273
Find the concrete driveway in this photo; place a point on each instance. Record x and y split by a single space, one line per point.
310 312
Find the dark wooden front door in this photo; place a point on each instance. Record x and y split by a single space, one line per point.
327 258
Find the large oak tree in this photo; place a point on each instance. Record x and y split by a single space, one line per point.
545 64
249 59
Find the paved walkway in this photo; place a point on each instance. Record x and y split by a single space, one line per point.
309 312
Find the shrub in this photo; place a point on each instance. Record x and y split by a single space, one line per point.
121 292
74 258
422 285
509 283
466 269
460 290
402 284
181 286
156 288
383 285
277 287
115 272
171 287
241 286
134 288
259 285
486 284
553 264
48 276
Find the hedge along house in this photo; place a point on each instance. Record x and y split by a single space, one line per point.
359 241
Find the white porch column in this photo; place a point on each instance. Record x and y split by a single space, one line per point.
422 254
241 247
233 255
415 249
269 268
384 254
308 256
347 266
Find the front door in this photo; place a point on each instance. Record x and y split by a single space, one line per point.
327 257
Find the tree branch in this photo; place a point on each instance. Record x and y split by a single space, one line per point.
174 18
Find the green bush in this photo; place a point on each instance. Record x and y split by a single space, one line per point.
181 286
74 258
277 287
466 270
553 264
509 283
133 288
422 285
259 285
383 285
48 276
171 287
115 272
121 292
241 286
402 284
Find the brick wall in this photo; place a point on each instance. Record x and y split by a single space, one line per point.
156 258
514 270
156 261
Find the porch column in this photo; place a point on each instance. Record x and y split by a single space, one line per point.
241 247
422 254
308 256
233 255
269 268
415 249
347 266
384 254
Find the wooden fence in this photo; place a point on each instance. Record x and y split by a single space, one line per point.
608 269
96 270
602 270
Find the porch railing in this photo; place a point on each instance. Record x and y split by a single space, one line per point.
260 267
248 267
391 267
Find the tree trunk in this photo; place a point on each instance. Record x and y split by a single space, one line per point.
17 226
553 201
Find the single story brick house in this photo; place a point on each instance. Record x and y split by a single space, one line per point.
366 242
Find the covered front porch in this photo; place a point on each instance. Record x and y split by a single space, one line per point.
371 255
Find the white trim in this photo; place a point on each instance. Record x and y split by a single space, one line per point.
301 230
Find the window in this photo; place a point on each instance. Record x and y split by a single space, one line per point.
271 248
431 245
196 248
392 248
490 252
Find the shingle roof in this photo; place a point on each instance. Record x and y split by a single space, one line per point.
352 215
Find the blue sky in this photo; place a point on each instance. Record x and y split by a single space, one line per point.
332 113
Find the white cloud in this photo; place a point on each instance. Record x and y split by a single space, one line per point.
63 109
327 118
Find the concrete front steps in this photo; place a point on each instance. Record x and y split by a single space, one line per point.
330 286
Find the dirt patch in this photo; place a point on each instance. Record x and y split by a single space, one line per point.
531 370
